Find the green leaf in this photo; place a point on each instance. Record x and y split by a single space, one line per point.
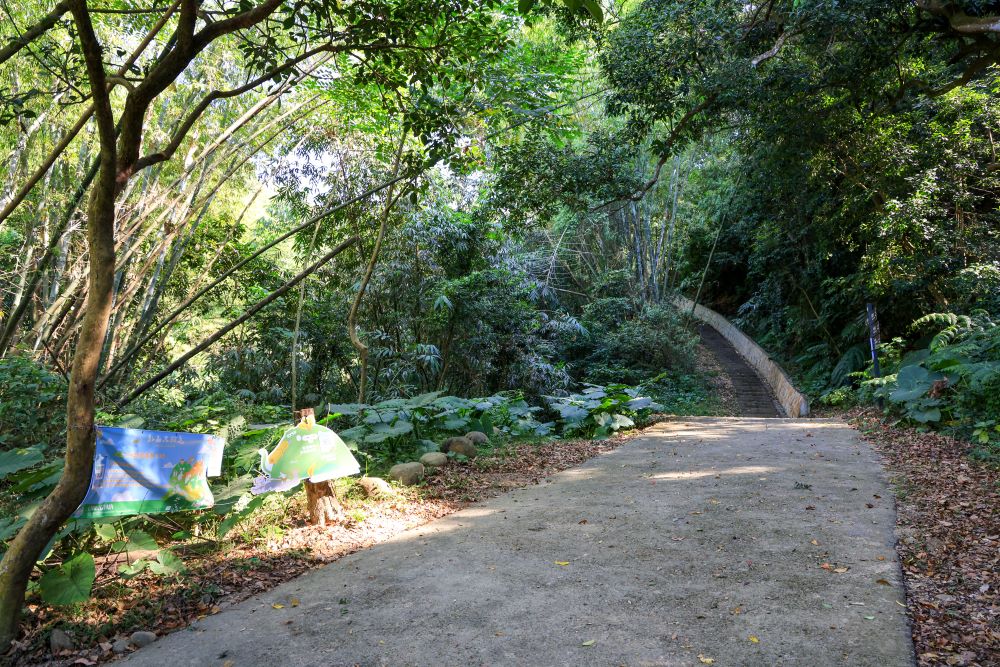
230 521
525 6
129 571
70 582
166 563
594 7
106 531
141 541
18 459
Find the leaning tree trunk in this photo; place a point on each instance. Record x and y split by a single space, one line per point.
17 563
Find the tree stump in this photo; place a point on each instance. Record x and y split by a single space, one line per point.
324 506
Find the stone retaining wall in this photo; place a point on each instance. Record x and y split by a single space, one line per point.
792 401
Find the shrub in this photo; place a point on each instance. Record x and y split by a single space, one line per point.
32 404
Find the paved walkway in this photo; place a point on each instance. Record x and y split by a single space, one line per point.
704 541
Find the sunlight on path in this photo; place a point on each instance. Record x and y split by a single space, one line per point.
739 541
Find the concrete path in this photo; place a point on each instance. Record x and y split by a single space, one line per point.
682 547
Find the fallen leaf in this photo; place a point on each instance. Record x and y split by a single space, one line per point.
869 618
814 543
706 660
294 602
882 582
562 562
278 606
589 642
582 521
754 639
841 570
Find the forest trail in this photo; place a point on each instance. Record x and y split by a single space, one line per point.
725 541
753 398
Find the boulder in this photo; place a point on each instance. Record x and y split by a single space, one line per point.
143 638
407 473
120 646
375 486
460 445
60 640
434 459
477 437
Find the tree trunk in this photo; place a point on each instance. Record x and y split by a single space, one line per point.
18 562
324 506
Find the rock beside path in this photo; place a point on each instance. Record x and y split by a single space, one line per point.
407 473
375 486
460 445
60 640
477 437
434 459
142 638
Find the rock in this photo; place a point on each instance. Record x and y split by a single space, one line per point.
143 638
459 445
375 486
60 640
434 459
407 473
120 646
477 437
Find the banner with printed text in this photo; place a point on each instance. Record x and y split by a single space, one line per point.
144 472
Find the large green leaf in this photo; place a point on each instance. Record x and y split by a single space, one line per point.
912 382
70 582
141 541
18 459
167 563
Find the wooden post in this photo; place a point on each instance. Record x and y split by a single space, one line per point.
321 498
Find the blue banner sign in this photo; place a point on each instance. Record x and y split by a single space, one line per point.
145 472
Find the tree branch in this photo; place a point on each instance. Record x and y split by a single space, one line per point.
253 310
34 32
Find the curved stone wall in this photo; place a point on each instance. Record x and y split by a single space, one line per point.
792 401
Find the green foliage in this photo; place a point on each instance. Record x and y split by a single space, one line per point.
628 342
598 411
953 382
32 404
69 582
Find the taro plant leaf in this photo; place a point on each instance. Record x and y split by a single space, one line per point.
345 408
18 459
70 582
621 421
356 433
912 382
141 541
132 569
400 427
106 531
9 526
167 563
639 403
455 424
924 412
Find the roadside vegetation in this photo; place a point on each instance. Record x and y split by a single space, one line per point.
423 219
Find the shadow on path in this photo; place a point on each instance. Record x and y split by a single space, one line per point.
742 541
